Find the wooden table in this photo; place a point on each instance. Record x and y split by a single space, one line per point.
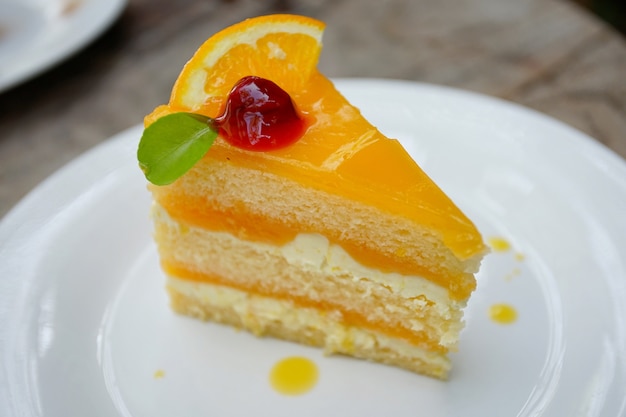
546 54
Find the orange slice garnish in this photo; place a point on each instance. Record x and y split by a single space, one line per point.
282 48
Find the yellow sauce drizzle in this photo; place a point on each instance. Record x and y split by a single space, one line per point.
502 313
294 375
499 244
159 373
519 257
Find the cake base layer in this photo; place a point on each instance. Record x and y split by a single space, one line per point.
265 316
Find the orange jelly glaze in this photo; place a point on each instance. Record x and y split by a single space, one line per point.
349 318
373 169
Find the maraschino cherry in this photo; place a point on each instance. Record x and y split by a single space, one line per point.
259 116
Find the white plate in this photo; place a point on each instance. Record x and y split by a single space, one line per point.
84 321
37 34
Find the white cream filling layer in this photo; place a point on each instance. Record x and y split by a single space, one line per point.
314 251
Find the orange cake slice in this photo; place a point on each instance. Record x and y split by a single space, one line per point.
338 239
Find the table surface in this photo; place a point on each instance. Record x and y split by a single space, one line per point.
548 55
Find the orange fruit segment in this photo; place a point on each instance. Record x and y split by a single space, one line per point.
341 152
281 48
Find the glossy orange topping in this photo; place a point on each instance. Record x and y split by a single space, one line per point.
344 154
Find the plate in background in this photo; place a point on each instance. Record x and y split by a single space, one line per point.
37 34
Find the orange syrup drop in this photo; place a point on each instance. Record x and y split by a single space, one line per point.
499 244
503 313
294 375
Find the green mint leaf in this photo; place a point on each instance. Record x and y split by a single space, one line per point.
171 145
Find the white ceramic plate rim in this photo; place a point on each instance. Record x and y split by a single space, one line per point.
56 40
565 382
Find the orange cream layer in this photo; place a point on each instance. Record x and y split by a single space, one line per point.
343 154
349 318
254 227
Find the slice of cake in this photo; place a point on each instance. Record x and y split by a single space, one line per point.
329 235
